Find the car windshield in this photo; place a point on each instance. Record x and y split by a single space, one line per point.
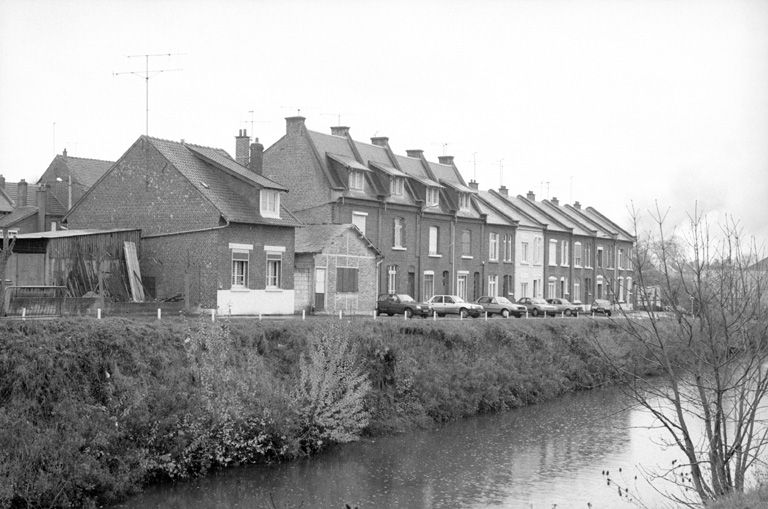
502 300
457 299
405 298
538 301
601 302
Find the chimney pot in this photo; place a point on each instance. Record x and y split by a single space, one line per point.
577 205
531 196
242 141
294 125
555 201
256 162
504 191
472 184
64 153
340 130
2 182
381 141
21 193
447 160
417 153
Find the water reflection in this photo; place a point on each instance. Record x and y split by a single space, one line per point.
533 457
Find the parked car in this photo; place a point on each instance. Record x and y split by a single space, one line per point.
501 306
401 304
562 306
536 306
582 308
601 306
454 305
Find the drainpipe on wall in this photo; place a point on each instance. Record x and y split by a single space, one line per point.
452 261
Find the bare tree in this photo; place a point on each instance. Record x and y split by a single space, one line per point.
711 349
5 255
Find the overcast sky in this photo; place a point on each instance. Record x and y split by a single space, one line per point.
607 102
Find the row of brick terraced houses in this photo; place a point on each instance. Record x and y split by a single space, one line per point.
271 231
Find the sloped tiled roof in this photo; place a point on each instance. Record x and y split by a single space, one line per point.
492 216
6 204
86 171
522 219
447 175
373 153
221 158
602 231
609 225
530 208
348 162
578 227
329 143
415 169
232 196
18 214
314 238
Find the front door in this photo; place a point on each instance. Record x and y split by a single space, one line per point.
412 284
319 289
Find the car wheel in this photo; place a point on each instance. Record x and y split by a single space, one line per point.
608 313
389 314
408 313
535 312
567 312
505 313
463 313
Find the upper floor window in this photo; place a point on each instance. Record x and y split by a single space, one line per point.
553 252
434 233
524 252
587 255
399 233
433 196
538 248
620 259
493 246
599 257
356 179
466 243
564 253
577 260
396 186
359 220
464 201
270 203
507 247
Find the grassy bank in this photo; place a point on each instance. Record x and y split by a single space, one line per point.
92 410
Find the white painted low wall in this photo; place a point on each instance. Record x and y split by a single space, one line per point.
254 302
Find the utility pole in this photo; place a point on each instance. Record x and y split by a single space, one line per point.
146 73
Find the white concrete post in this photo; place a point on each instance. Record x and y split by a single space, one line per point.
303 314
213 315
98 314
259 316
159 314
434 315
374 314
340 314
23 313
526 312
486 316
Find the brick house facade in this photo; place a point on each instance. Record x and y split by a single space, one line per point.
212 229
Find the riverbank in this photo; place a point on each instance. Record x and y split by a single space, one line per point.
92 410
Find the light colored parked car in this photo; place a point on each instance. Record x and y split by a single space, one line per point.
562 306
536 306
454 305
501 306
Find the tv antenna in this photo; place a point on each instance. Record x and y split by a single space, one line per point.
252 121
146 73
474 166
501 172
337 115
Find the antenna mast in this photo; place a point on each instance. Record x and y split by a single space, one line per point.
501 172
146 73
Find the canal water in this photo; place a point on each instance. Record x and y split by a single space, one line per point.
544 456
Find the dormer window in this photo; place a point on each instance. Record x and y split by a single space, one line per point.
396 186
433 197
270 203
356 180
464 201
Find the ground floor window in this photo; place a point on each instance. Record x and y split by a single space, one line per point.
346 279
429 285
563 287
392 279
240 268
577 290
493 285
523 289
551 288
461 286
274 270
506 287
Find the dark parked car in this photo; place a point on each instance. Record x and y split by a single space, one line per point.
601 306
400 304
562 306
501 306
537 307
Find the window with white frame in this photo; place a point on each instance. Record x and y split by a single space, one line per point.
563 287
359 220
564 253
464 201
620 259
356 180
507 247
461 285
269 200
553 252
392 279
576 290
524 252
466 243
599 257
433 196
493 246
538 250
396 186
399 233
524 289
434 233
587 255
240 259
493 285
621 289
577 254
429 284
274 269
551 282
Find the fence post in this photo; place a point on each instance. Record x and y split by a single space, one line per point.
303 314
526 312
98 314
213 315
259 316
374 314
159 314
23 313
340 314
486 316
434 315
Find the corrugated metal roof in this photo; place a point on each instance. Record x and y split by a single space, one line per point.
71 233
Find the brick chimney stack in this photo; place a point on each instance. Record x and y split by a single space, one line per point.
21 193
64 153
531 196
577 205
504 191
447 160
256 161
242 140
416 153
555 201
41 207
2 182
380 141
340 130
294 125
472 183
